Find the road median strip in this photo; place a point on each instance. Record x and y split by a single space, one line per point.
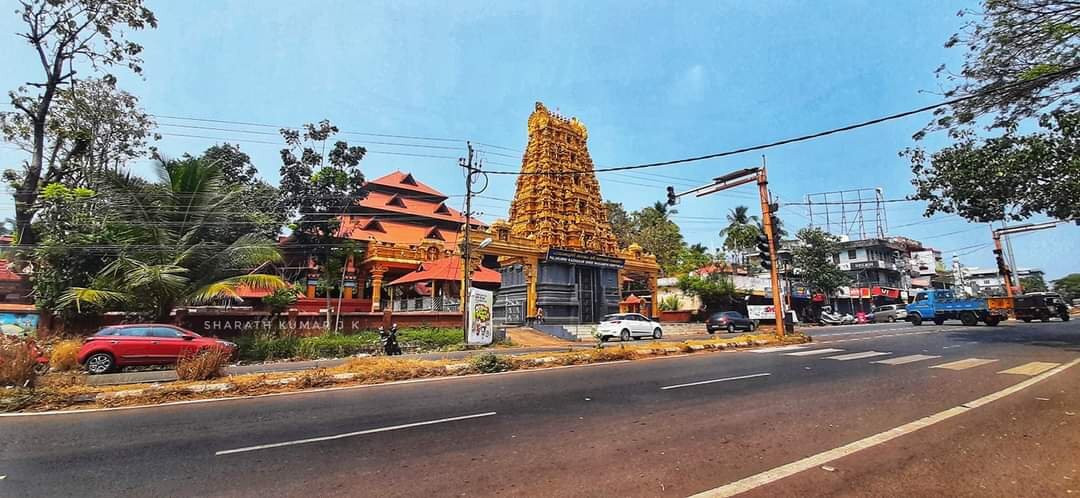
361 371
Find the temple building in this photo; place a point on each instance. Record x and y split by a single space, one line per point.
402 225
556 250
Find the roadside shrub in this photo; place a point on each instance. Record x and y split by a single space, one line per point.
265 347
204 365
16 363
65 355
430 338
612 354
491 363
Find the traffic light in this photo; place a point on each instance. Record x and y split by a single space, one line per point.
1002 268
763 251
671 196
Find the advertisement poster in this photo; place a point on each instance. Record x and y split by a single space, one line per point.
481 328
19 324
765 312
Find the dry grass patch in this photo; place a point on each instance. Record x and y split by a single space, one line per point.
385 369
204 365
65 355
16 363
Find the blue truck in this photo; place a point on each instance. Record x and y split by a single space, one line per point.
939 305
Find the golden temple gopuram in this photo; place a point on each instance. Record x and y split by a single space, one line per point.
557 251
562 210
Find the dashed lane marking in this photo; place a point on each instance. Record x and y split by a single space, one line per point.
713 381
351 434
779 348
813 352
906 359
959 345
964 364
814 461
857 356
1030 369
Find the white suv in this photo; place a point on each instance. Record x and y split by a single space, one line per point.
628 325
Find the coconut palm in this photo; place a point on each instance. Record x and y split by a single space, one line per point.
166 251
742 230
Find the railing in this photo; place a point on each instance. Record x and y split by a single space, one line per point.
426 304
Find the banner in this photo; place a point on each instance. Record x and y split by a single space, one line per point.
480 319
765 312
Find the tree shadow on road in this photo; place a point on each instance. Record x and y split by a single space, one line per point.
1059 335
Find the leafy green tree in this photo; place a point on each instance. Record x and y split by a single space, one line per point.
742 230
622 225
1034 283
693 257
1068 286
64 34
317 187
658 235
75 242
1026 50
164 255
813 257
714 289
259 209
1009 177
1020 62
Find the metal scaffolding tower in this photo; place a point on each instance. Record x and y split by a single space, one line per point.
846 212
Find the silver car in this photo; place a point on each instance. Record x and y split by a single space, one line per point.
889 313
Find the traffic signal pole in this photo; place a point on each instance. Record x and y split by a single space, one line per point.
734 179
1003 269
774 267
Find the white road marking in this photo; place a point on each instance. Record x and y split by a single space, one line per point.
775 474
958 345
780 348
964 364
857 356
1029 369
351 434
751 376
814 351
906 359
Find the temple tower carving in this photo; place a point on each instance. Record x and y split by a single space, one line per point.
554 207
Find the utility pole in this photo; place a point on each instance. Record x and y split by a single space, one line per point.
767 244
1003 269
466 251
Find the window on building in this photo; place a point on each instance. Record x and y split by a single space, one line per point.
851 254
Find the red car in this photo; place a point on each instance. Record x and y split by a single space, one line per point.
143 344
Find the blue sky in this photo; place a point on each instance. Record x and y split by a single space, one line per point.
651 81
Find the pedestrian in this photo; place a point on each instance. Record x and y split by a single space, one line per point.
539 315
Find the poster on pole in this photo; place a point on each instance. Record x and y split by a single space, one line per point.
481 329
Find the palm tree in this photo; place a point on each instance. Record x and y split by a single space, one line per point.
742 230
166 254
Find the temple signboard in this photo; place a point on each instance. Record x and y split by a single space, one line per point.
583 258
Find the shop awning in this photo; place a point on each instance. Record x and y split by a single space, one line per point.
447 269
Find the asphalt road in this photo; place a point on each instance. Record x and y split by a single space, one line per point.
671 426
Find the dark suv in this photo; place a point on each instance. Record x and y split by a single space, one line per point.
729 320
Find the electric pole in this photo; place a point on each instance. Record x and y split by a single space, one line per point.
466 251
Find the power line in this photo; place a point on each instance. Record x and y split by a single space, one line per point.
811 136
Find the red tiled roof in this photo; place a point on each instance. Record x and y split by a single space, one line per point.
383 201
6 275
368 228
447 269
405 181
631 299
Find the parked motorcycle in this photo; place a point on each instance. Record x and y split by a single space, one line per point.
389 341
829 317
